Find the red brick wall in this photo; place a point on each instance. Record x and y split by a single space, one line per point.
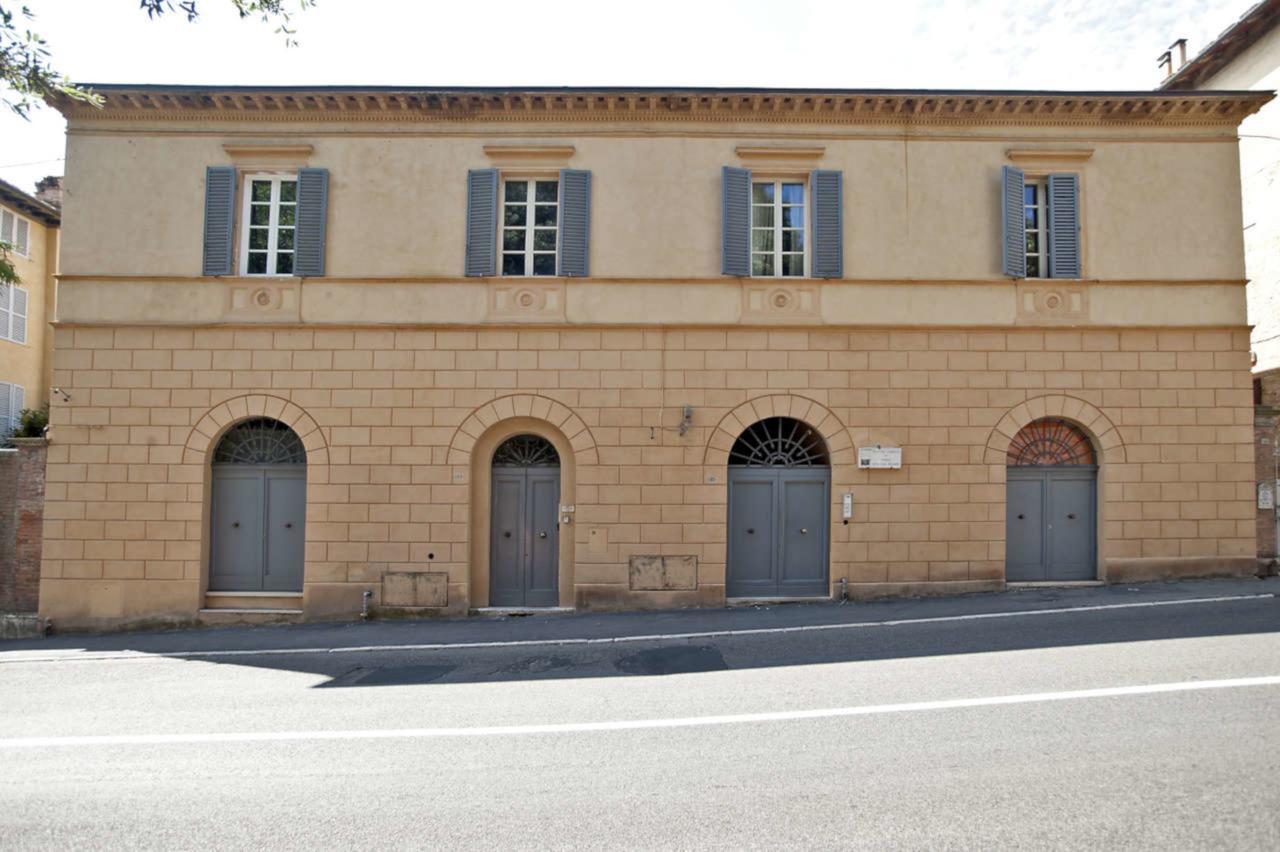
22 477
1264 442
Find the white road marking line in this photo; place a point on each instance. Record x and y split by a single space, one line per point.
635 724
100 656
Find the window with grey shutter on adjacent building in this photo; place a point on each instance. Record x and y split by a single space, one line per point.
782 227
283 223
528 226
1040 224
16 231
12 401
13 313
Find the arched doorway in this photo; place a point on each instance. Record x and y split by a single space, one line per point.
524 529
779 510
258 509
1051 504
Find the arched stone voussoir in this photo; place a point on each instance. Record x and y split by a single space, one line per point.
531 405
833 431
1104 433
208 429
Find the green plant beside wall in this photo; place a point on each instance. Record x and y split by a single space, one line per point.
31 422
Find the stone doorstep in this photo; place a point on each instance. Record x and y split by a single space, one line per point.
211 617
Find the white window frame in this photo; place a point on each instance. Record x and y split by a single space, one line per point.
529 203
1041 207
777 229
9 314
10 234
273 226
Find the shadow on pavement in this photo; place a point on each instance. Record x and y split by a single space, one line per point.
624 645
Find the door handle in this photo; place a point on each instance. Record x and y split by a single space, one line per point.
288 525
751 530
507 534
542 534
1071 517
804 531
235 524
1022 517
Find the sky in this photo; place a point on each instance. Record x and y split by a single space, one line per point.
943 44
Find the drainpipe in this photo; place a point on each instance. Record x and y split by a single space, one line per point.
364 604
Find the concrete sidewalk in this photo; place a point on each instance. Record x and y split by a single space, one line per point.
570 627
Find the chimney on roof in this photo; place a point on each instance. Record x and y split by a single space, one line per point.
1166 60
49 190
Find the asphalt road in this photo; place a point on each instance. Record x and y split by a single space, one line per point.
1094 718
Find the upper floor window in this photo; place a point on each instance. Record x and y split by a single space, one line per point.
777 229
270 220
1040 224
1036 210
15 231
13 313
530 221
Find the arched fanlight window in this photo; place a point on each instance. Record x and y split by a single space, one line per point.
1050 442
779 442
260 441
526 451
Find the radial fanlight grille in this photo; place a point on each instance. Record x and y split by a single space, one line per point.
1050 442
260 441
779 442
526 451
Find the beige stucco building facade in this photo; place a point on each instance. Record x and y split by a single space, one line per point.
405 359
31 226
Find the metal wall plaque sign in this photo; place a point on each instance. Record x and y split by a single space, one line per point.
880 457
1266 497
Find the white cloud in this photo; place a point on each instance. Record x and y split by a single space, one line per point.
1032 44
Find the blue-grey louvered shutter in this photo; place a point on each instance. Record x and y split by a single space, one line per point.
575 222
1064 225
1013 219
219 212
827 191
313 214
735 238
17 404
6 401
482 222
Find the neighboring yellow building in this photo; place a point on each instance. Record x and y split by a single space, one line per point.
30 225
617 348
1247 56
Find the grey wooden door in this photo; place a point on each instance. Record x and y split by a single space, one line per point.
778 532
524 549
236 523
286 514
257 528
1051 523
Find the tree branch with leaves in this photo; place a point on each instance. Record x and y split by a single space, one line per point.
27 69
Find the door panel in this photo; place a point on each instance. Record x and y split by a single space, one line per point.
1070 532
286 523
804 512
236 527
541 516
753 550
506 539
1024 525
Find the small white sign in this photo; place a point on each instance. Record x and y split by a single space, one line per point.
880 457
1266 497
